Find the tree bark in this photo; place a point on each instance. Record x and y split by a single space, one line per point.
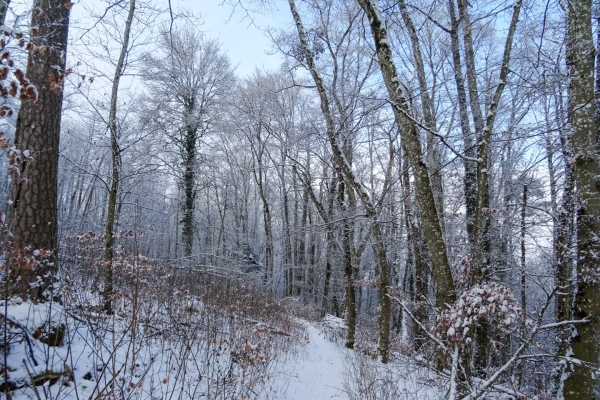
580 64
479 233
111 214
342 163
416 260
470 180
189 190
433 155
445 293
347 259
4 4
32 214
267 221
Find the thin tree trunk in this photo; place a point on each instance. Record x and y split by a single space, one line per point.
331 242
111 215
480 235
302 250
260 179
336 254
465 19
470 180
287 241
370 211
523 259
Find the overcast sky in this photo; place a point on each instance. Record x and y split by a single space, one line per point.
244 42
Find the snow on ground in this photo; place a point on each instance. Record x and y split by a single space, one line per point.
319 369
314 366
325 369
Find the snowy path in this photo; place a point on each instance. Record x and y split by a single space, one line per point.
318 373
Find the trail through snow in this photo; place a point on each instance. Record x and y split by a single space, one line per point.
319 369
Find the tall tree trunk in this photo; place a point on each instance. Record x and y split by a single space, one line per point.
480 253
32 215
563 244
111 215
261 181
523 254
4 4
433 155
445 293
597 81
370 211
471 68
189 190
416 260
347 259
327 216
580 64
470 180
480 235
301 266
287 241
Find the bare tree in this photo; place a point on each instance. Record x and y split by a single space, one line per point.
111 215
186 82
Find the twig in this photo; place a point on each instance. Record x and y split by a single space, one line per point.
436 340
27 336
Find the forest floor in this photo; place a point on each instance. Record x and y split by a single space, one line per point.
116 357
325 369
318 372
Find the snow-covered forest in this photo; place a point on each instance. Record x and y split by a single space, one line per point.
408 207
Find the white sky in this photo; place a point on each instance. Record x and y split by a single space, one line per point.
244 42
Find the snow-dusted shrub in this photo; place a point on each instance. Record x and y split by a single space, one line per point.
492 302
402 379
174 333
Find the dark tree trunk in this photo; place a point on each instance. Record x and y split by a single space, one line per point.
470 180
32 216
4 4
189 190
113 210
347 239
580 64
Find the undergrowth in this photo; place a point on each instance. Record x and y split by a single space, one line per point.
177 332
